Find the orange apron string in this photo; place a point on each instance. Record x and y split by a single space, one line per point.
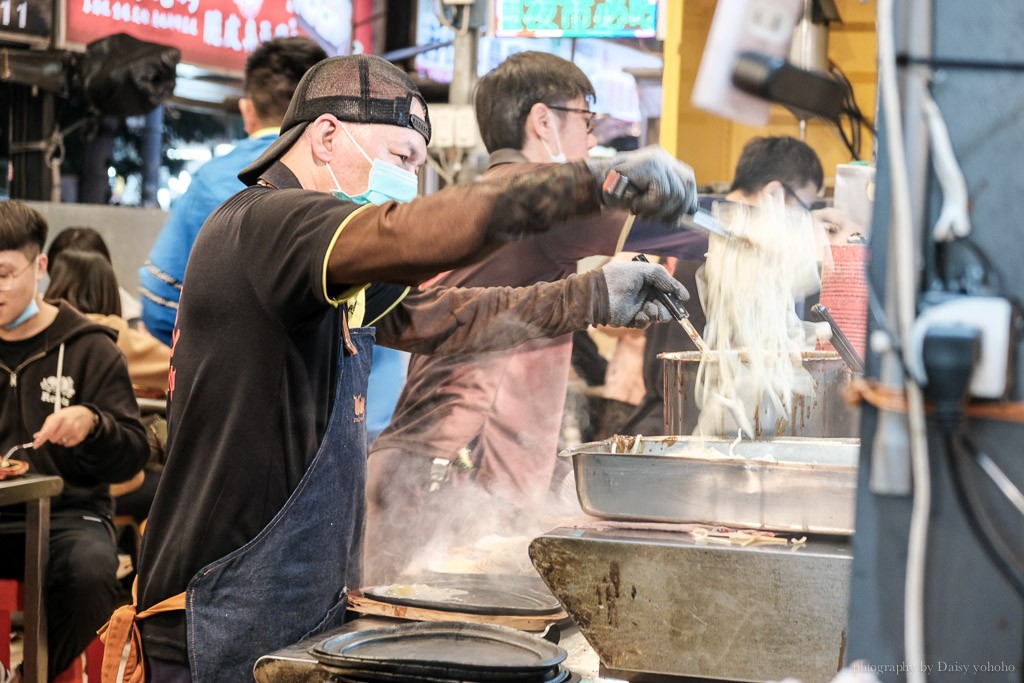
122 654
894 400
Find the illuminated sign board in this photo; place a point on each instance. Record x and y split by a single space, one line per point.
29 21
214 34
575 18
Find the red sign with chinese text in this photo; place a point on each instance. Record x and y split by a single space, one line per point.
216 34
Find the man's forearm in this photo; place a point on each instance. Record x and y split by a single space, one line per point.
408 243
467 320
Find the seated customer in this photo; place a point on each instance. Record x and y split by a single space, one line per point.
85 238
68 393
86 280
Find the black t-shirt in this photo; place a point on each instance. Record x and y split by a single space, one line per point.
252 370
14 353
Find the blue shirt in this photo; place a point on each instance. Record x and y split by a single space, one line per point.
387 379
213 183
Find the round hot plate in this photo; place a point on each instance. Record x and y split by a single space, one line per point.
445 650
502 595
561 675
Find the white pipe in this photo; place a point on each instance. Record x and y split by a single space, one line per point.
904 254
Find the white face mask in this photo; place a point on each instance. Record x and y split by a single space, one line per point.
555 158
386 181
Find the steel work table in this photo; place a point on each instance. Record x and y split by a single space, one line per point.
656 603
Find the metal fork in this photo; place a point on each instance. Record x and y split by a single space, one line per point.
7 456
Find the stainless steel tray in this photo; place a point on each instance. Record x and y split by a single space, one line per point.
810 486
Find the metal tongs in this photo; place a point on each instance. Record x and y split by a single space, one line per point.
6 460
617 185
678 312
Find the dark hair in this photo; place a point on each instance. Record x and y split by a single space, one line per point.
86 280
77 237
22 228
505 95
274 69
785 159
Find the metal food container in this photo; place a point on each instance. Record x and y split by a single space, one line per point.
823 413
807 485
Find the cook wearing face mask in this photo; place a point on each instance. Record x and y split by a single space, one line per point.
385 182
288 288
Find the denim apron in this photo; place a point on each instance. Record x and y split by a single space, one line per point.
289 582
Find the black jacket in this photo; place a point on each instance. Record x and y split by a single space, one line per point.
92 373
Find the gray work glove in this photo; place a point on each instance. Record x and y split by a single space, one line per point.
660 187
632 289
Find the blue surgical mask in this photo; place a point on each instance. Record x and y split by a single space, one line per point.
30 312
386 181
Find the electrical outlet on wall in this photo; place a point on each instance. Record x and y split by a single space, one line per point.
996 318
764 26
442 126
466 134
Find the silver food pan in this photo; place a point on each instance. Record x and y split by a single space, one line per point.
807 485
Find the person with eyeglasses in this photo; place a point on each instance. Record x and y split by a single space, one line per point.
67 392
493 420
774 164
767 165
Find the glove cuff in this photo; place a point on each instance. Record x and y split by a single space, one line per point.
599 168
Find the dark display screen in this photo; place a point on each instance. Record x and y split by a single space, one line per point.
26 19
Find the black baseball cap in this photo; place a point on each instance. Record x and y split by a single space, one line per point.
356 88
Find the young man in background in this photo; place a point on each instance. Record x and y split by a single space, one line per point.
766 164
65 391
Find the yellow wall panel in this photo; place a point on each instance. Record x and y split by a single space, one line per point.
711 144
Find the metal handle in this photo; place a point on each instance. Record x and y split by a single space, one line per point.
677 311
839 340
618 186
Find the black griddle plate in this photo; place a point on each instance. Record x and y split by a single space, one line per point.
562 675
444 650
485 594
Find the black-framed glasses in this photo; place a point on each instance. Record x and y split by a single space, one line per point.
789 190
7 279
592 116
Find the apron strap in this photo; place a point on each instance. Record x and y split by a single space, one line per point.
346 339
175 602
122 654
